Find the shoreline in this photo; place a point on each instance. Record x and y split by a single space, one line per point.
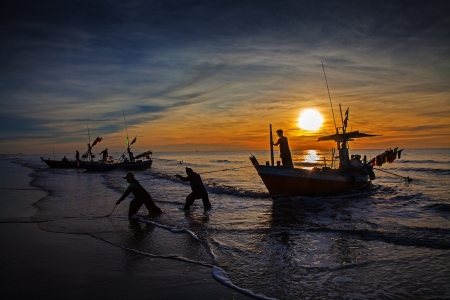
40 264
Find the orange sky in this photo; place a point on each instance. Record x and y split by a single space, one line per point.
212 78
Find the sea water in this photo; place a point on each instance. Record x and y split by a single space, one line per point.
391 240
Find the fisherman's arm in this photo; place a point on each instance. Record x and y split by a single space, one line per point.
182 178
125 194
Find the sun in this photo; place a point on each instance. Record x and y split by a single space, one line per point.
310 119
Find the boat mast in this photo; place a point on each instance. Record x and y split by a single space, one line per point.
89 144
271 146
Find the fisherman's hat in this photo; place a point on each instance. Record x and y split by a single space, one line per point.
129 175
189 170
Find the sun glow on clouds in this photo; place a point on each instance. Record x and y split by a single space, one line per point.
310 119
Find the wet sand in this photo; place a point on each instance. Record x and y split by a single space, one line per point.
43 265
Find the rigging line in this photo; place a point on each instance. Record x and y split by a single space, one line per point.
329 96
406 178
198 172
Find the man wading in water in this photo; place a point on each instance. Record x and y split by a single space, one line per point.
198 189
141 196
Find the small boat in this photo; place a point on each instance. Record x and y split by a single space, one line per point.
60 163
68 164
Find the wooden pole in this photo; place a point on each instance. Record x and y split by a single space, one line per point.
271 146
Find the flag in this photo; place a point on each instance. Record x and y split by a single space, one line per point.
133 141
346 118
97 140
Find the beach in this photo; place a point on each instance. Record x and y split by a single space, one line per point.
45 265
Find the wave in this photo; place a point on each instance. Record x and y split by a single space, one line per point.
234 191
435 238
225 161
436 171
441 207
430 161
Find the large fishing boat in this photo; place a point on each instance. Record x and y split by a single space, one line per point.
283 181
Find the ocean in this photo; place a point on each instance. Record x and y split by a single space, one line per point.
388 241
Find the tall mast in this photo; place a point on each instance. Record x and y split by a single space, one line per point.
271 146
329 96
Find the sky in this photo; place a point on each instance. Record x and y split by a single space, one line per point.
213 75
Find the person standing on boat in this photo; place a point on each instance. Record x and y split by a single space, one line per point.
285 152
198 189
77 156
141 196
105 155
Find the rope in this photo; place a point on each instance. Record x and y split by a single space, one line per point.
112 211
227 169
406 178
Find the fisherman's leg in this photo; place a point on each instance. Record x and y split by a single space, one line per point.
189 201
151 206
206 203
135 204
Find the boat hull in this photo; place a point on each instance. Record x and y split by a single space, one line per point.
284 181
104 167
60 164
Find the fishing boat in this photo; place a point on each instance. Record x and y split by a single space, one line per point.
127 160
282 181
60 163
68 164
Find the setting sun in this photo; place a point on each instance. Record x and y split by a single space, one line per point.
310 119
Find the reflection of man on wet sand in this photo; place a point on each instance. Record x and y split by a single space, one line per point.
285 152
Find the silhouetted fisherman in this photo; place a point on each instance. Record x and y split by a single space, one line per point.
105 154
198 189
141 196
285 152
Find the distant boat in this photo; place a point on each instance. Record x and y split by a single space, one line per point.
126 161
60 164
68 164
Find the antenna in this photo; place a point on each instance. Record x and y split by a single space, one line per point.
332 111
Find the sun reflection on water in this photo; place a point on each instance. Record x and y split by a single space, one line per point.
311 156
